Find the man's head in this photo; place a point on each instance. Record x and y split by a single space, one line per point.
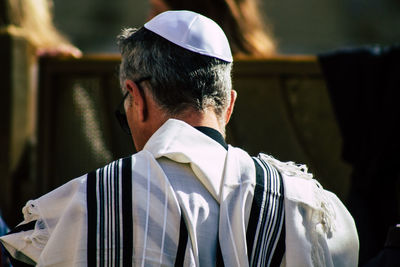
188 63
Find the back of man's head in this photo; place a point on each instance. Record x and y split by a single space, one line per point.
179 78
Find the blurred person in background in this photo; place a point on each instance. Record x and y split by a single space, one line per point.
33 20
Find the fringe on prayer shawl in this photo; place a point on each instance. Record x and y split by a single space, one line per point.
322 216
40 234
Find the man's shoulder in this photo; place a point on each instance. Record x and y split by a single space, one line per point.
299 185
288 168
119 164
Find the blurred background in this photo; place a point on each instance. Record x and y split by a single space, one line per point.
305 27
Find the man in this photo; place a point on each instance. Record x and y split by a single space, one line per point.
186 198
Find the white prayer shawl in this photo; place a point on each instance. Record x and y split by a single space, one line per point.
319 230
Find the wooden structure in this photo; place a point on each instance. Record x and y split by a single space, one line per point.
284 109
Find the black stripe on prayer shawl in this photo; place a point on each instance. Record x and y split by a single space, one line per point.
108 244
23 227
255 208
101 240
117 218
266 231
127 220
91 201
280 247
183 239
220 259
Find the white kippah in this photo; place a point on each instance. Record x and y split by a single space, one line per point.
193 32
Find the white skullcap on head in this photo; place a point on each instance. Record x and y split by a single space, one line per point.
193 32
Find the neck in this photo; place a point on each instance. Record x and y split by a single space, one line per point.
206 118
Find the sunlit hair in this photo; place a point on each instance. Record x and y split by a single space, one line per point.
241 21
180 79
33 20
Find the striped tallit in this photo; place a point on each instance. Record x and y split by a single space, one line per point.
113 217
266 229
185 200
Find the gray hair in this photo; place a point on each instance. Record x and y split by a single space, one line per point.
179 78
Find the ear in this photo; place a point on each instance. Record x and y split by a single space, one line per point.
229 110
138 100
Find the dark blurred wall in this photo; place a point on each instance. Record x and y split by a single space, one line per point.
301 27
313 26
306 27
93 25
